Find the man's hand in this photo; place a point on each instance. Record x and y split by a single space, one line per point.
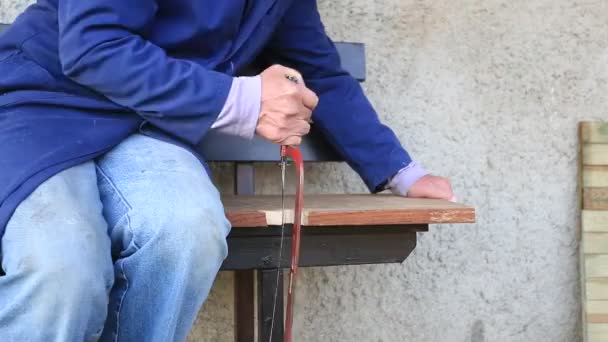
286 106
432 187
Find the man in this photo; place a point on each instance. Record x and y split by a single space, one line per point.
112 229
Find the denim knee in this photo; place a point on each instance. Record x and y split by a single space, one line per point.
184 232
65 281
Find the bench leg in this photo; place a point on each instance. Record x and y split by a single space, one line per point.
244 296
244 306
267 281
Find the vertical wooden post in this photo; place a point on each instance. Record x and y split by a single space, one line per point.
244 296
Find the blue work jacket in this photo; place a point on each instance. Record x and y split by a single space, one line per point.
79 76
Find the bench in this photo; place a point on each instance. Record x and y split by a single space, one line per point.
337 229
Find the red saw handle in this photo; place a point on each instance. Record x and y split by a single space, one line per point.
294 153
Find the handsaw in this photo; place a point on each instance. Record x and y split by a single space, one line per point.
296 156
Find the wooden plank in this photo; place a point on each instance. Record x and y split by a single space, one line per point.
594 132
595 154
329 217
246 218
338 210
596 266
595 176
595 198
596 311
597 332
594 220
596 289
595 243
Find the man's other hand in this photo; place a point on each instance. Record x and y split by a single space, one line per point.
286 106
432 187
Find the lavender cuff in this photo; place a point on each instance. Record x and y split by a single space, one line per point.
242 108
401 183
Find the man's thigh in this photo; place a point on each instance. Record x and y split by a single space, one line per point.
60 225
147 185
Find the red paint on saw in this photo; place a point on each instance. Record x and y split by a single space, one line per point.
296 156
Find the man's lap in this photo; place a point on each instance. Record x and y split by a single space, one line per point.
155 184
65 206
142 179
83 253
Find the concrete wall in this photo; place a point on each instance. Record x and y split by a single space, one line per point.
488 92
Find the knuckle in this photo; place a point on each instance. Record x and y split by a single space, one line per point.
307 128
296 73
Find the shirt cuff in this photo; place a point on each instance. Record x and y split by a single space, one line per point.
242 108
401 183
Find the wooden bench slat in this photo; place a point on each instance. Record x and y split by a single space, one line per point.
344 210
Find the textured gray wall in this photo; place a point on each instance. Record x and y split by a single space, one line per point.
487 92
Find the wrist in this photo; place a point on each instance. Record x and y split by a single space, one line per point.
401 183
241 111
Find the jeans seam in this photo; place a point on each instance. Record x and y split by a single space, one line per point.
127 216
124 201
114 187
122 298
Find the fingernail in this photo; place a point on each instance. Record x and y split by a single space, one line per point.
453 199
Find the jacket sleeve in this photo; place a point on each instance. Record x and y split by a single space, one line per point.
102 46
344 115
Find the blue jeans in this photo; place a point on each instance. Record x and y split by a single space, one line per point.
123 248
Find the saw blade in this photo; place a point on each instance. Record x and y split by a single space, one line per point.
279 272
